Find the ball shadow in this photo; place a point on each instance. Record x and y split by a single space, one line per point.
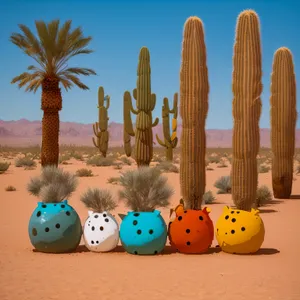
261 251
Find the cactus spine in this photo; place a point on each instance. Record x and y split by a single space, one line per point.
246 109
170 141
194 89
100 127
283 122
145 103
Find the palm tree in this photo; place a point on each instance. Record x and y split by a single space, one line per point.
51 50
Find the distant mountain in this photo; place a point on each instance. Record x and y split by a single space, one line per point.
26 133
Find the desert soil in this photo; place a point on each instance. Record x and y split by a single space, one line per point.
273 273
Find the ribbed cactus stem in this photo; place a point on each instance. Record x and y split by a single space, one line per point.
194 89
170 140
283 122
145 103
100 127
246 109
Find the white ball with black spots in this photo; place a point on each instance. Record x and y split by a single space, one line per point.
101 232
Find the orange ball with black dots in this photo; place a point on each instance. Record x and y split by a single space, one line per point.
192 231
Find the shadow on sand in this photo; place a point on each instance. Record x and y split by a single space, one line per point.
263 251
267 211
295 197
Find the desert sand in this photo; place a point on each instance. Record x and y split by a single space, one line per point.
272 273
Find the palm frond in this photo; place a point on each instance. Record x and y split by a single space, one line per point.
78 71
75 80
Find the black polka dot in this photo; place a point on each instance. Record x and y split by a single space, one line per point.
135 222
101 228
237 212
57 225
243 228
135 252
44 206
93 228
89 224
62 206
232 212
106 220
233 220
92 242
139 231
227 217
54 204
225 232
201 218
233 231
136 214
150 231
188 243
104 215
96 216
155 252
34 232
187 231
47 229
38 214
97 242
179 218
68 213
185 211
217 229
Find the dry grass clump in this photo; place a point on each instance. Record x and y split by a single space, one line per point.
167 167
53 185
4 167
145 189
10 188
263 169
64 158
83 172
209 169
113 180
25 161
100 161
223 184
214 159
98 200
263 196
208 197
125 160
222 164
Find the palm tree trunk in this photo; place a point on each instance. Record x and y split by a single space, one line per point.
51 105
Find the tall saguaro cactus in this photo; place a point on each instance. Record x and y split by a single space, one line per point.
194 89
100 127
170 140
283 122
246 109
145 103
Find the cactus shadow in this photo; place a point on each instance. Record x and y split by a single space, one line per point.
267 211
295 197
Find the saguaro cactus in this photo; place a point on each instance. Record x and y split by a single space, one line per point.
246 109
194 89
145 103
283 122
170 141
100 127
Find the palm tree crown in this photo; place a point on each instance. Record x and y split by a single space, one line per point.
52 49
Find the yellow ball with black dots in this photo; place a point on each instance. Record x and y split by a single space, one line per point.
239 231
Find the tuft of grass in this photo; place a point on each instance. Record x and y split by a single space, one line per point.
113 180
84 173
4 167
53 185
157 158
125 160
100 161
222 164
25 161
263 196
167 167
214 159
145 189
223 184
10 188
63 159
208 197
98 200
77 155
118 166
263 169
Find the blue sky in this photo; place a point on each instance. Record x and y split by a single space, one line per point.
120 28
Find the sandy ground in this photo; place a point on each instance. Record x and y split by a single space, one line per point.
273 273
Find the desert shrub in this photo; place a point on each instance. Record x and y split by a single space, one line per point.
84 173
10 188
209 169
98 200
53 185
145 189
223 184
25 161
157 158
214 159
167 167
125 160
222 164
263 196
77 155
118 166
208 197
113 180
297 171
100 161
4 167
63 159
263 169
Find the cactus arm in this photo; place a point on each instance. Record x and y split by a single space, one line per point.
96 130
95 144
134 94
153 101
155 122
160 141
107 98
175 106
128 127
100 96
174 142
